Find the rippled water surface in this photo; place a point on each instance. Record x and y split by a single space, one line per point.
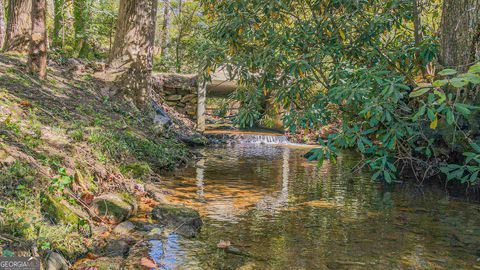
281 212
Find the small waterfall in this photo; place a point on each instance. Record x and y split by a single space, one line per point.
261 139
249 138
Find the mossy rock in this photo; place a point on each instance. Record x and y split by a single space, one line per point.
115 207
185 221
103 263
58 210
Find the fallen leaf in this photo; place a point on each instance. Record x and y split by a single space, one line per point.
87 198
148 262
25 103
223 244
92 256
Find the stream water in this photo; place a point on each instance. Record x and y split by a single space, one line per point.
279 211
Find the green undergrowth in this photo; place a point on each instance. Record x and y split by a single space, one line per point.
57 133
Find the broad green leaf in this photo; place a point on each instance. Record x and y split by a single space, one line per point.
470 77
440 83
419 92
476 147
447 72
450 117
458 82
475 68
462 108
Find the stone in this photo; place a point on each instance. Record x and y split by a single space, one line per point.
156 233
117 248
124 228
182 220
156 193
138 252
56 261
115 207
57 210
173 98
102 263
188 98
194 139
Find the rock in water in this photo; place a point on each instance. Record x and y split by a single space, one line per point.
184 221
56 261
124 228
115 207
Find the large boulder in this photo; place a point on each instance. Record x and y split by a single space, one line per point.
182 220
56 261
115 207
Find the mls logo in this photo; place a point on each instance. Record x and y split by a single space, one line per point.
19 263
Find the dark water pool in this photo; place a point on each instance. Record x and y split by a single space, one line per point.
279 211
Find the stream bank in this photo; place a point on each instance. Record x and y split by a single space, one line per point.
76 166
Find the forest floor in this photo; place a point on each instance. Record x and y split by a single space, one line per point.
65 151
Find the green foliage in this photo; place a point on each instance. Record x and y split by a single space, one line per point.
352 62
119 145
61 181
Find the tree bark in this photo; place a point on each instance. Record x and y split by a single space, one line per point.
460 40
81 14
58 22
19 25
38 44
165 26
132 52
2 23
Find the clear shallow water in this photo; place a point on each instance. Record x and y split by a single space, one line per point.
281 212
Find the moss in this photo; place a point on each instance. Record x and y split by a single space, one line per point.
136 169
171 210
57 211
116 207
118 145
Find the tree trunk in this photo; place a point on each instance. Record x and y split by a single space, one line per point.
178 62
81 14
19 25
165 25
38 44
2 23
58 22
132 52
460 41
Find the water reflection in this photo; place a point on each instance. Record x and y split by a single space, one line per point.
283 212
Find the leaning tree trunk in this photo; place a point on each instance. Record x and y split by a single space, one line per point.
2 23
38 45
19 25
132 52
460 41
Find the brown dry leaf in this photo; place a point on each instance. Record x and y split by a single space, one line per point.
148 262
87 198
92 256
223 244
25 103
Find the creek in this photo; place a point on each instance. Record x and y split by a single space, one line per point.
275 210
